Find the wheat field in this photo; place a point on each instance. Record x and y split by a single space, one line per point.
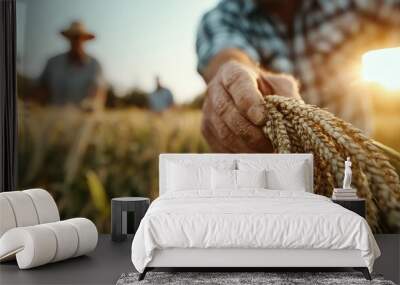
85 159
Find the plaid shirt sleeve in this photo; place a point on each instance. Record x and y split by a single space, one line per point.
386 11
222 28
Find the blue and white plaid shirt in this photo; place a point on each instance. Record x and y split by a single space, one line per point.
323 52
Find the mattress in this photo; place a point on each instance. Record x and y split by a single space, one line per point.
250 219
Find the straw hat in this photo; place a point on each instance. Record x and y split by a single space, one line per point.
77 29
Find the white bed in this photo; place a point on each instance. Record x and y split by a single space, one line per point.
248 227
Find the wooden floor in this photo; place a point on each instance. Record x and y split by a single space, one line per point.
110 260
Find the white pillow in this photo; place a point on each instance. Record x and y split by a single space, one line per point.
193 174
290 175
251 178
290 179
223 179
181 177
227 179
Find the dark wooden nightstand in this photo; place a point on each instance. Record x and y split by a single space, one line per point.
122 223
355 205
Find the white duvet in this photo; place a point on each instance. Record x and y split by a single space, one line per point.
254 218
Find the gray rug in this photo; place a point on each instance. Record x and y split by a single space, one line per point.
268 278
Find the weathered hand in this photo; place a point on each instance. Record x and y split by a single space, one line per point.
233 111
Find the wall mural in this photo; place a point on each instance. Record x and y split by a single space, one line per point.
99 100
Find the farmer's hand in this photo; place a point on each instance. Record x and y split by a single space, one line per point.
233 111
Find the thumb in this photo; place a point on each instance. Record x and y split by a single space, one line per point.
282 84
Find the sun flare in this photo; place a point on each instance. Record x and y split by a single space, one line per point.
383 67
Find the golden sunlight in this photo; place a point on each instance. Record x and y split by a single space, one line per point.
383 67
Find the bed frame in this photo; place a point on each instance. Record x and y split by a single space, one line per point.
242 259
246 259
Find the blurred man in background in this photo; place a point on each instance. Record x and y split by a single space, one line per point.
73 77
242 43
161 99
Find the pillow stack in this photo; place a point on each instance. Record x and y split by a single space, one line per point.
236 175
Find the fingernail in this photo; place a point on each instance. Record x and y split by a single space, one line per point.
256 115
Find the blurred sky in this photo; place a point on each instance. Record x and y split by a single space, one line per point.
136 39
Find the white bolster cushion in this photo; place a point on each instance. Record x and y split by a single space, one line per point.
67 240
45 205
23 209
7 219
45 243
32 246
87 235
26 208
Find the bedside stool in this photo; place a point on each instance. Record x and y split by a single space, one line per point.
122 222
355 205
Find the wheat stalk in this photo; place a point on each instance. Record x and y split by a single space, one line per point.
293 126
